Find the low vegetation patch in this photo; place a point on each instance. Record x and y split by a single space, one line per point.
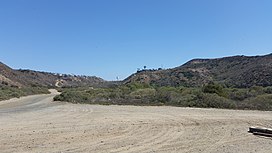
7 92
209 96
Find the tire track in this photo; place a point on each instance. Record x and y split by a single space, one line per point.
64 127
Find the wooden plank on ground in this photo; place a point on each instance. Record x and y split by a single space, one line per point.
260 130
262 134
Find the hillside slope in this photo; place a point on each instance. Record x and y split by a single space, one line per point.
20 78
236 71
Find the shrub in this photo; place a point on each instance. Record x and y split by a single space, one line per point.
143 93
240 94
135 86
214 88
256 90
215 101
209 96
268 90
7 92
262 102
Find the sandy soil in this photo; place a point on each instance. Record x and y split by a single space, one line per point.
36 124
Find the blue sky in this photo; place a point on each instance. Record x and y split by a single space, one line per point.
110 38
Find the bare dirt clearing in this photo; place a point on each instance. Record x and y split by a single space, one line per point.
36 124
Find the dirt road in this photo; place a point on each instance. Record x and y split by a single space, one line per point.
36 124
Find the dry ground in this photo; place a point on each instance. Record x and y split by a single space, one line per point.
36 124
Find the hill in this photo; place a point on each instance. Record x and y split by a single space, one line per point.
24 78
235 71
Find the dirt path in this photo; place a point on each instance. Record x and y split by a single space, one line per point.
36 124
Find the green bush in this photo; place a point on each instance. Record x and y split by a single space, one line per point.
214 88
7 92
262 102
256 90
209 96
135 86
143 93
215 101
268 90
240 94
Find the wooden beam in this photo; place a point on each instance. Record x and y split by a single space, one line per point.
260 130
262 134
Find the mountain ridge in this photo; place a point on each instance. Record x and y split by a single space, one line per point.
25 77
234 71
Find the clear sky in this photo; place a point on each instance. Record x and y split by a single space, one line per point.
110 38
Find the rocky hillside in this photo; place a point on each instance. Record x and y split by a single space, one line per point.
236 71
20 78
